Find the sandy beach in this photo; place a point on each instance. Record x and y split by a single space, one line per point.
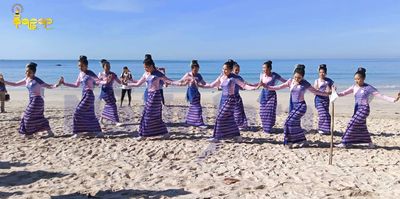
186 165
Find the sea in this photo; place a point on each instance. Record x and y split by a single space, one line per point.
384 74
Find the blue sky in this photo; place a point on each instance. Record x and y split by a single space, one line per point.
207 29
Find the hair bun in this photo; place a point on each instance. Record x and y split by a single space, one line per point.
148 60
82 57
31 65
269 62
194 62
103 60
147 56
322 66
232 61
300 66
361 69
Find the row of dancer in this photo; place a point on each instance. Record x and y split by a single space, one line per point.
230 116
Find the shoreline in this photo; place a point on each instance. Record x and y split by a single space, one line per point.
187 165
343 105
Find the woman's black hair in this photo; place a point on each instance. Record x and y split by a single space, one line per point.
194 63
148 61
361 71
323 67
32 66
232 61
300 69
125 67
236 65
147 56
230 64
268 64
83 59
105 63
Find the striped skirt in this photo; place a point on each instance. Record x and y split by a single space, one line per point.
194 115
225 125
110 111
268 111
293 132
357 132
162 96
324 118
239 114
84 117
151 123
33 120
145 95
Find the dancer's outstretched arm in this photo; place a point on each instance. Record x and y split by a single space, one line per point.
19 83
51 86
138 82
72 85
281 86
245 86
346 92
172 82
214 84
317 92
386 98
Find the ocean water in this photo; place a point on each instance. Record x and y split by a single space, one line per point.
384 74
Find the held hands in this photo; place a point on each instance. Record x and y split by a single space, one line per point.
196 83
260 84
182 83
188 81
60 81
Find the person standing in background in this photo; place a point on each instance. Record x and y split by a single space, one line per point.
3 92
125 77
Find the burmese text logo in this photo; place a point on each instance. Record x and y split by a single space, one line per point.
17 9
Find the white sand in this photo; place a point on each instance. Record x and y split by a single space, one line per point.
186 165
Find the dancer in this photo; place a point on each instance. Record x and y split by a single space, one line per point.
159 72
293 133
357 131
239 113
322 102
225 125
33 120
110 111
126 76
194 115
268 99
151 123
85 120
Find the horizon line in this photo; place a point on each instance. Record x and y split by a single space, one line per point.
218 59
